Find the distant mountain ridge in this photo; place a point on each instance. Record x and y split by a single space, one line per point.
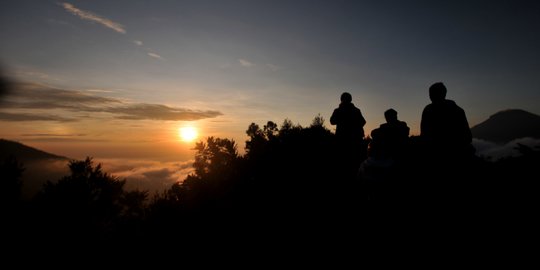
508 125
23 152
39 166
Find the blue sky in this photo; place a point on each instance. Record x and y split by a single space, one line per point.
220 65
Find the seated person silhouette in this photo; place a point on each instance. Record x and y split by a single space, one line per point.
444 127
382 168
390 140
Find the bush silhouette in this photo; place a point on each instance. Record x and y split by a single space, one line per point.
288 175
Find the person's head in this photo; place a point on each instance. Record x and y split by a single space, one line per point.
437 92
390 115
346 98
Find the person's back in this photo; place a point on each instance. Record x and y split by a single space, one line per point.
348 120
447 139
383 169
390 139
350 136
444 124
395 134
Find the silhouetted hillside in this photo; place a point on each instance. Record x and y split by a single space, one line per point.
24 153
508 125
39 166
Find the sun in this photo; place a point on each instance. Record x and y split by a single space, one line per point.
187 134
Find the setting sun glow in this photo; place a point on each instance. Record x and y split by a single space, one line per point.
188 134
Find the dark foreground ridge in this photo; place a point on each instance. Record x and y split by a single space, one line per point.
290 180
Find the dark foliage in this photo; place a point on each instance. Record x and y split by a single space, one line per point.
87 206
288 180
11 171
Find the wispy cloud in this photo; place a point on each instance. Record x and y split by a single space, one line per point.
54 137
273 67
51 135
35 96
155 55
138 42
29 74
39 97
21 117
141 111
245 63
99 90
63 139
87 15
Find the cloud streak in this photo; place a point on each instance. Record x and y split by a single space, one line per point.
51 135
89 16
155 55
245 63
143 111
23 117
28 97
273 67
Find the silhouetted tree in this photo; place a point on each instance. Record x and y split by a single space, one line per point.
214 156
211 194
10 181
318 122
270 130
133 204
85 204
11 206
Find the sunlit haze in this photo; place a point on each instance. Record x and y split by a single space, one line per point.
146 80
188 134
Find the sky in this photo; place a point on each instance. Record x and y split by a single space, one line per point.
118 79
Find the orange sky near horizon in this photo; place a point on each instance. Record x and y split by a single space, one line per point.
110 80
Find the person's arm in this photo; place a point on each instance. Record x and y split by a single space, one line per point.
334 118
465 130
361 118
425 123
405 130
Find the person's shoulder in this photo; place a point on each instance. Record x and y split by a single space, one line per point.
449 102
452 105
429 107
376 132
356 109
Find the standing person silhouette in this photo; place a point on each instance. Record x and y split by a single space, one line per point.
447 139
350 135
444 126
